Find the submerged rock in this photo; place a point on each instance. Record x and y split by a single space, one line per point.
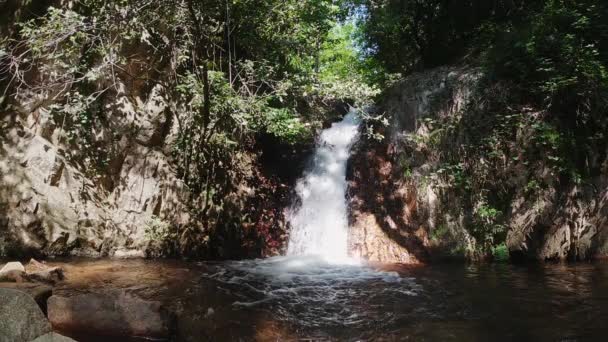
53 337
113 314
21 320
36 271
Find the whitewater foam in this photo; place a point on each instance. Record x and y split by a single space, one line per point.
319 224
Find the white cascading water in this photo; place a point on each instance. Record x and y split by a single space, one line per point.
319 224
316 284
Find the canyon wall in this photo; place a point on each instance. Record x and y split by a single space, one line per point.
53 206
104 179
415 196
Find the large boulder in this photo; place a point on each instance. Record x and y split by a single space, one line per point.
21 320
48 205
39 292
53 337
113 314
560 225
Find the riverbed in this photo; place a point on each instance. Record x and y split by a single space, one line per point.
306 298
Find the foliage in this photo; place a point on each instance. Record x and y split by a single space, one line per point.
283 124
558 61
439 232
487 227
161 237
538 118
227 71
500 253
408 35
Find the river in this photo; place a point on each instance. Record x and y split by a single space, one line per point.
449 302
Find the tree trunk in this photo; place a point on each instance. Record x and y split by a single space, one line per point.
201 52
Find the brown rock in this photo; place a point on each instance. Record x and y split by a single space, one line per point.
114 314
41 272
373 244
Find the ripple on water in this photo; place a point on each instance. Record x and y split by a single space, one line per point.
312 292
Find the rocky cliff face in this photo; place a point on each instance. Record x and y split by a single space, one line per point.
393 214
427 191
115 142
51 205
104 152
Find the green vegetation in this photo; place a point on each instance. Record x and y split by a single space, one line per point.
232 72
500 253
541 104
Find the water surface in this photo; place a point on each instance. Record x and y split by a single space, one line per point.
307 298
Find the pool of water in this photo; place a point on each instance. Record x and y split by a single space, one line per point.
306 298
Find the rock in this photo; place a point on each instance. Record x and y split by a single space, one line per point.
148 188
13 266
50 276
559 225
39 292
49 207
114 314
392 217
375 245
44 200
21 320
41 272
13 271
383 225
543 218
53 337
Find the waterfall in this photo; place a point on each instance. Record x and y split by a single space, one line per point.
316 284
319 224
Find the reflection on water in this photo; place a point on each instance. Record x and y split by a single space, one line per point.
305 297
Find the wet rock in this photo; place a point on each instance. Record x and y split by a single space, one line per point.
53 337
39 292
14 272
112 314
21 320
41 272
